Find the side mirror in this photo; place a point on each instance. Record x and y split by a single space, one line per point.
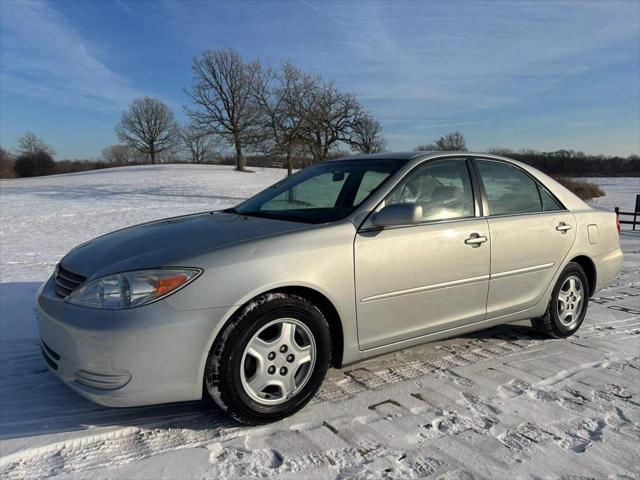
398 214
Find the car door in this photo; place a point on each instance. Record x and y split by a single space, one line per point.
531 233
418 279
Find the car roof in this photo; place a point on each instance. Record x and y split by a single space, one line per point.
381 156
410 155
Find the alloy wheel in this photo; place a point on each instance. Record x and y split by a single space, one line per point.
570 300
278 361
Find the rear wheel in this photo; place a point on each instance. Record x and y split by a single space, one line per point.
568 305
269 360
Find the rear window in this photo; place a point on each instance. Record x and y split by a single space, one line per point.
509 190
549 204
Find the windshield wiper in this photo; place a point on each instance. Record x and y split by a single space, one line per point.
258 214
273 216
235 211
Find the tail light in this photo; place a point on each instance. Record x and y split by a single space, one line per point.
618 224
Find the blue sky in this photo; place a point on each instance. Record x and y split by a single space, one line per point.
541 75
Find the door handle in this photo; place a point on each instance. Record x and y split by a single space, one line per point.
475 240
563 227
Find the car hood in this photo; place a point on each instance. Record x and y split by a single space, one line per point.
169 242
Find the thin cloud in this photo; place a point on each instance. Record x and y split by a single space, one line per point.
44 56
453 124
125 7
584 123
364 38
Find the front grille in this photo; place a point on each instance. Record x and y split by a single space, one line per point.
66 281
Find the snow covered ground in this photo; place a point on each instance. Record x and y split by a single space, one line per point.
501 403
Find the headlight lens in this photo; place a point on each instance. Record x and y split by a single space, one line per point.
131 289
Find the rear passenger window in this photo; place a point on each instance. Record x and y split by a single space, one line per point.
549 204
509 191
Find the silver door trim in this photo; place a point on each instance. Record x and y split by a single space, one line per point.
436 286
525 214
518 271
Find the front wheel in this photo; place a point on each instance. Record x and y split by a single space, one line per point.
568 305
270 359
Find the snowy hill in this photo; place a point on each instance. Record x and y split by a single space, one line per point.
498 404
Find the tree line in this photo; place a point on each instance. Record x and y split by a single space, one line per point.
575 163
270 116
34 157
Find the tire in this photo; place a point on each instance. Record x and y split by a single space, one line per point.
560 321
268 342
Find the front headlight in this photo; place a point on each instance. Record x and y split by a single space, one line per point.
132 289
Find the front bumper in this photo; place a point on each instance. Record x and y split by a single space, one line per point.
121 358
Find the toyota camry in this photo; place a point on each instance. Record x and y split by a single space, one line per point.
340 262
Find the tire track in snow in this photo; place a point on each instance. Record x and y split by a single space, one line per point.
367 377
98 450
350 462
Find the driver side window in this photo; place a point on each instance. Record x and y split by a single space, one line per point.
442 188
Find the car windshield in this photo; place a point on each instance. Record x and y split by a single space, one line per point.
323 193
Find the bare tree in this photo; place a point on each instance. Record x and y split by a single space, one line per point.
34 164
453 141
366 135
283 98
33 157
30 145
200 146
122 155
330 119
224 104
149 127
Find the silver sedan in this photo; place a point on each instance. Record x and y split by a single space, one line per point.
340 262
